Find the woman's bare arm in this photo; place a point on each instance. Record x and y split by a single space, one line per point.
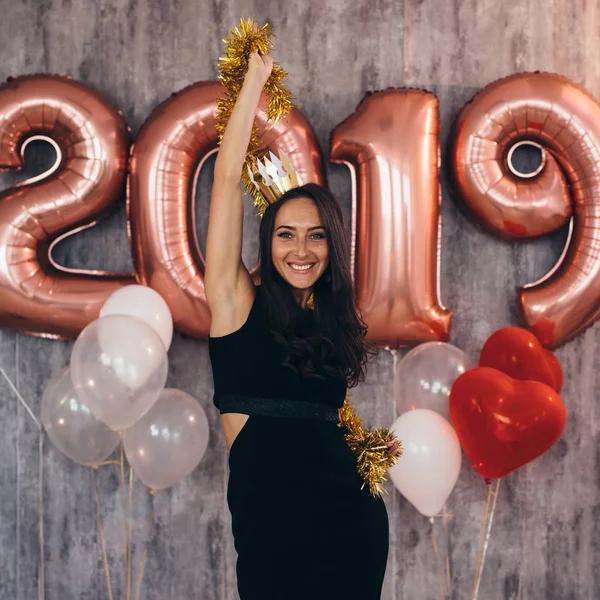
229 288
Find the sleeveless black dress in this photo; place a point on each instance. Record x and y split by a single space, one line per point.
303 527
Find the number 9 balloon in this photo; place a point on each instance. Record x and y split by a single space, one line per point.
562 119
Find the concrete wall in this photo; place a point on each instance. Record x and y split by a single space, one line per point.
545 541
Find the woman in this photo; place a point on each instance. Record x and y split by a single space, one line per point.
304 527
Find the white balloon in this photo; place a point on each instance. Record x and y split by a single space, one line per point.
119 367
426 375
71 425
169 441
134 357
431 458
144 303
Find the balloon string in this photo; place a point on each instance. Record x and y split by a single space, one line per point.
20 398
123 503
41 560
448 575
394 354
129 546
142 567
486 529
445 516
106 462
145 554
437 558
41 566
481 538
101 533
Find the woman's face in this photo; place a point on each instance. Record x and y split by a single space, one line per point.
299 248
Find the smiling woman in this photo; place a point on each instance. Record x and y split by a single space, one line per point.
303 523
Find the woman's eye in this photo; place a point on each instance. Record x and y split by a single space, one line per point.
313 236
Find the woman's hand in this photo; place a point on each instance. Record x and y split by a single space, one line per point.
393 447
259 68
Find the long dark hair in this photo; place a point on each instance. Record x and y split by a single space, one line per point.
332 337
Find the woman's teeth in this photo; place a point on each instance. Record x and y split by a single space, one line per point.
302 267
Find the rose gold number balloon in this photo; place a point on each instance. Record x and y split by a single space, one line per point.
564 121
91 142
391 145
169 151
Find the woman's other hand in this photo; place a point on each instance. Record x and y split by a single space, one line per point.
393 447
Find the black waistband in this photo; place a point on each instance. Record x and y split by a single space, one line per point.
275 407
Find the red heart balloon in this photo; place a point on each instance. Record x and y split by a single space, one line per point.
503 423
518 353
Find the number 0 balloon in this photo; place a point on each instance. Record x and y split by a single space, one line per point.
169 151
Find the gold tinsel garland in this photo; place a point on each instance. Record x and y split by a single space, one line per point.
240 43
372 455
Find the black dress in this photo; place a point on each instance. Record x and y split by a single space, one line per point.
303 527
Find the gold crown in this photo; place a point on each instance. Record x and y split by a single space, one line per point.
272 177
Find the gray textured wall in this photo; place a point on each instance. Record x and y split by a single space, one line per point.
546 535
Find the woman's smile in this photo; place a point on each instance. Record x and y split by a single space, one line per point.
304 267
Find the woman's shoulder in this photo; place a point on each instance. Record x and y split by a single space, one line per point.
252 321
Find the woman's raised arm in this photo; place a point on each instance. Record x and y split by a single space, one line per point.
229 288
